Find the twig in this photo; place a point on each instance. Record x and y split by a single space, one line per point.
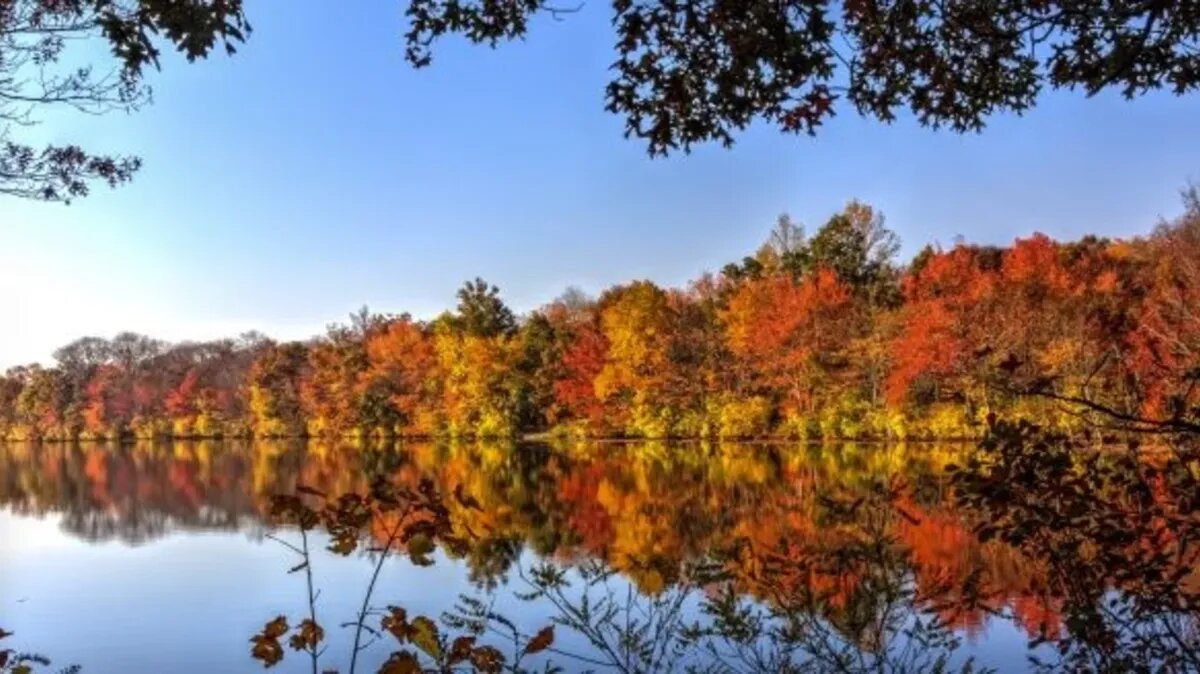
362 613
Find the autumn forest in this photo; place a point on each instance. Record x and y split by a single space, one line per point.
823 335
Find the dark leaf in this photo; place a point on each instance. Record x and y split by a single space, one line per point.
541 641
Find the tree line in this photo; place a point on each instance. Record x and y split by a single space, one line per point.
813 336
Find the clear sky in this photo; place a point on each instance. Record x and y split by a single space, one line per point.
315 172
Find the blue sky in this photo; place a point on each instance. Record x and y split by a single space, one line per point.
315 172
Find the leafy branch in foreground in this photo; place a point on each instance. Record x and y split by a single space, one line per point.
703 623
390 520
36 37
15 662
697 623
686 73
694 72
1116 530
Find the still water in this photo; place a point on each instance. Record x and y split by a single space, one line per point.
165 557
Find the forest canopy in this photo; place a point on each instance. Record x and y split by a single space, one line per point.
684 73
814 336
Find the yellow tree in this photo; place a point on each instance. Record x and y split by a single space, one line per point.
636 323
274 385
476 377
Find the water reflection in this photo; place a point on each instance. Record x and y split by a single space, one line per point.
756 557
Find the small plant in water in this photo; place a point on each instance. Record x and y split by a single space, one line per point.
1115 530
627 629
16 662
389 520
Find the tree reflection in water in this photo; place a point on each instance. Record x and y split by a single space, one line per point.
698 558
861 614
1115 535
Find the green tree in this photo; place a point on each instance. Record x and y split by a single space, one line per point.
481 312
857 246
539 365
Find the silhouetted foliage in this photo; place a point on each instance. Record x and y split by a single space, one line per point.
388 519
693 72
1114 530
38 51
685 72
482 313
15 662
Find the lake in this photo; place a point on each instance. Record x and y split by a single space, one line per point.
722 557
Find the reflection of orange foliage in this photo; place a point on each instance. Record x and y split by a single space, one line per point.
96 470
947 557
643 514
944 555
587 517
1040 617
784 560
181 475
